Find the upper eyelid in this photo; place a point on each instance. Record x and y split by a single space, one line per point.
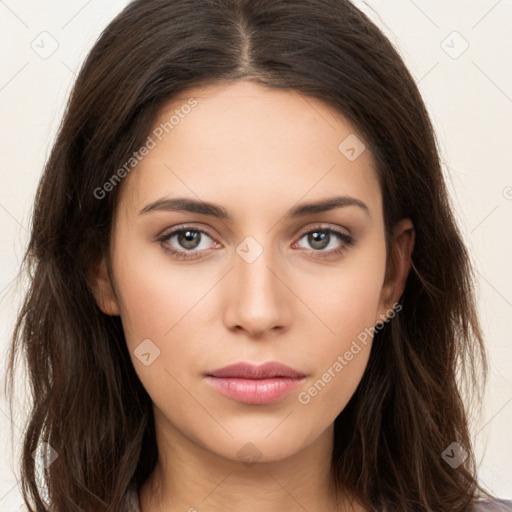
173 231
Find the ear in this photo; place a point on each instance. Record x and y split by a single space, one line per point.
102 289
399 263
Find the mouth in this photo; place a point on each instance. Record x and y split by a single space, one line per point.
256 385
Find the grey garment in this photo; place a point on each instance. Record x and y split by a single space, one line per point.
133 504
494 506
132 501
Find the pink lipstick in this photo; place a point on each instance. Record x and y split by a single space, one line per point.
257 385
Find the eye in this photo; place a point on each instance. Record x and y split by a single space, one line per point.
320 238
188 242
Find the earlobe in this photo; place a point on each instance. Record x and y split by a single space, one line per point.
102 288
398 267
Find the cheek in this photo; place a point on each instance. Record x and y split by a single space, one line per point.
158 306
154 292
171 306
347 305
346 298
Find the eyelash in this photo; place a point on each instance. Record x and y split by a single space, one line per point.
346 240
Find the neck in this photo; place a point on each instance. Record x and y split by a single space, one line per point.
189 477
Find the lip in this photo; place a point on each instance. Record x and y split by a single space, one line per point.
253 384
263 371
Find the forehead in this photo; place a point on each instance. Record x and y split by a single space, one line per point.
254 146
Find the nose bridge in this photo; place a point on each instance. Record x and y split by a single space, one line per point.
258 300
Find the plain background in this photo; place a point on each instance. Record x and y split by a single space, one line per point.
459 54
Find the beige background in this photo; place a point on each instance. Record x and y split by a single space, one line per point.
455 49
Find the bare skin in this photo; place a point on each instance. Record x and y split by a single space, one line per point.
258 153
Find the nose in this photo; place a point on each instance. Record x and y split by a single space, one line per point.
258 299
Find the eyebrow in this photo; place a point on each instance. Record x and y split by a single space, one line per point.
183 204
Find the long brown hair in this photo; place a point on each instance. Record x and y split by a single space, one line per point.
86 400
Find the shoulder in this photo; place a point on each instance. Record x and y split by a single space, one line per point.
133 505
493 506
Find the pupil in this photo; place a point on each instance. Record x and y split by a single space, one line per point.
190 239
320 238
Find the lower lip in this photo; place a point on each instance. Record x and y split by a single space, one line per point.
254 391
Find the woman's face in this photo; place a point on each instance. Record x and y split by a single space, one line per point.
256 278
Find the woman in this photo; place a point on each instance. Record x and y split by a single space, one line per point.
248 290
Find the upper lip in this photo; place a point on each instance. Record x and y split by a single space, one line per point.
250 371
